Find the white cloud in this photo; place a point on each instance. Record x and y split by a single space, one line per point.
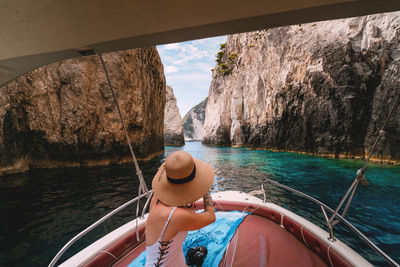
203 66
191 77
174 46
188 69
170 69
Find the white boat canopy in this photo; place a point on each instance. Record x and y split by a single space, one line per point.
36 33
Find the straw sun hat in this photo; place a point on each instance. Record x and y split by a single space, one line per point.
182 179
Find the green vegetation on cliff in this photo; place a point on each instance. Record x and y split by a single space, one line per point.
225 63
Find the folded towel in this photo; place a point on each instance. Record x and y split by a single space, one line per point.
215 237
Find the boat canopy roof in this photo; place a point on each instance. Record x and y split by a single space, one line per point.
36 33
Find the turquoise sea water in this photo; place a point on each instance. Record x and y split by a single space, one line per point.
375 209
41 210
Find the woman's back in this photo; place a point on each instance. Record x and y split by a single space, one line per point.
164 251
156 222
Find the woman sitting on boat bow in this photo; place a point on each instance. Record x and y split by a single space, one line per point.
180 181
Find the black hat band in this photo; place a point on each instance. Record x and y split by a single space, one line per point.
184 180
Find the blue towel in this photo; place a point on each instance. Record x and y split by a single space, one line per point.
215 237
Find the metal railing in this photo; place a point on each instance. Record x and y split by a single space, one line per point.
97 223
323 207
331 237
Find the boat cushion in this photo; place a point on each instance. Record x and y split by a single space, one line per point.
215 237
293 227
319 247
261 242
107 256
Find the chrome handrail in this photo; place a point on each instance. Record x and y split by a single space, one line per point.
92 226
343 220
322 205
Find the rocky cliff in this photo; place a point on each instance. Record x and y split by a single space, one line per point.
64 114
173 131
193 122
322 88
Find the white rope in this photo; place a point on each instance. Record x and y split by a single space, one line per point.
219 205
109 253
361 172
234 248
264 195
251 212
142 185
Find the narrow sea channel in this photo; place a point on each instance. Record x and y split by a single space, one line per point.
42 209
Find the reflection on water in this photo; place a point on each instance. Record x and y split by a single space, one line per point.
43 209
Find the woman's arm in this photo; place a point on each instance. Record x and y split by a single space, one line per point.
208 203
190 220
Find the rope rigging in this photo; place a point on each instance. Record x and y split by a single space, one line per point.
361 172
142 185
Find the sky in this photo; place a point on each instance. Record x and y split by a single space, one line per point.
187 68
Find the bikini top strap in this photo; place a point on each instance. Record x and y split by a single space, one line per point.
166 223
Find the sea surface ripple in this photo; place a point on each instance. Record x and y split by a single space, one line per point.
42 209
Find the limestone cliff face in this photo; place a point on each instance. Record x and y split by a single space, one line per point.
193 122
64 114
173 131
319 88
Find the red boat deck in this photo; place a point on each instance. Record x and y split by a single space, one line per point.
260 240
257 242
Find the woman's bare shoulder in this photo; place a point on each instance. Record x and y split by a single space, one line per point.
188 219
186 214
184 211
159 212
